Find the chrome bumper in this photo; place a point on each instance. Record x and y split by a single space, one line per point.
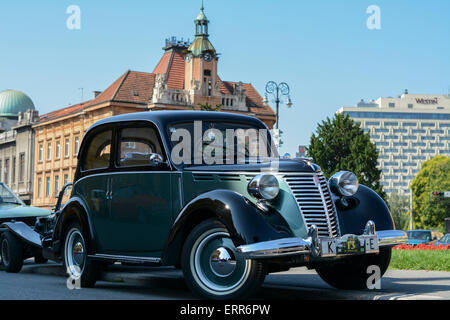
312 244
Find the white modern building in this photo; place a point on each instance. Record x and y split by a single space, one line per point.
407 130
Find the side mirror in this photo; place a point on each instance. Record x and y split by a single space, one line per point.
156 160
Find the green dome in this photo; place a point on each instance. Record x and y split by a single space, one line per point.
12 102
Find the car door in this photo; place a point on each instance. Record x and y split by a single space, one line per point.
140 194
93 184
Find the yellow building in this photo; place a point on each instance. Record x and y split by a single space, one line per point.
185 77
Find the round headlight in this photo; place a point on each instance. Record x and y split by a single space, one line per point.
344 183
264 186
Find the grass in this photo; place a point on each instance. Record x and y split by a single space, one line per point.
436 260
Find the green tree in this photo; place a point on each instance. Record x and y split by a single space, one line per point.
428 211
340 144
207 107
399 206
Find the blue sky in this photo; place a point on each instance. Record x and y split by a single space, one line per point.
322 49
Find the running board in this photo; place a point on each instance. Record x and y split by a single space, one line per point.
129 259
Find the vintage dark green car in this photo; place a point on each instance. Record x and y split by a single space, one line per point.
225 224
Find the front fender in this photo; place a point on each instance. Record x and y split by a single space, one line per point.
75 209
365 205
245 222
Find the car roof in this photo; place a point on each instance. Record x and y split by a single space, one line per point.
163 118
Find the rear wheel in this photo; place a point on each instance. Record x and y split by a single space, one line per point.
211 268
352 273
76 261
11 252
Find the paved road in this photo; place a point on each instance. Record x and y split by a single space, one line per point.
138 283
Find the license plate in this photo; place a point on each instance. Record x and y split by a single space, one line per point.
349 244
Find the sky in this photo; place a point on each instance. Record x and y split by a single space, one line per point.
322 49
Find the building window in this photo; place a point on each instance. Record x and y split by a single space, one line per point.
47 187
66 181
391 124
39 191
383 130
13 171
419 131
409 124
425 125
6 177
372 123
76 146
410 106
391 137
419 144
56 185
21 167
41 151
391 105
1 170
66 148
49 151
58 149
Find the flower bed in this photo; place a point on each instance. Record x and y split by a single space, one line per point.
422 246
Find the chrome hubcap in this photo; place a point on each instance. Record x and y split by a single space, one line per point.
75 253
222 262
216 268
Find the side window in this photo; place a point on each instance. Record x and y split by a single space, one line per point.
136 145
98 151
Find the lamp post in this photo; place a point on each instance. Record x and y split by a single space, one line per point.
278 91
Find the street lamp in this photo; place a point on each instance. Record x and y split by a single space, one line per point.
278 91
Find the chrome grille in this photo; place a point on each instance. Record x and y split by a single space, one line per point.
315 202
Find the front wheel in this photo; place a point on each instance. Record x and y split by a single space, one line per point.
353 273
11 252
211 268
76 261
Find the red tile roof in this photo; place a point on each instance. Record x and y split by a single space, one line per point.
132 86
162 65
175 78
254 100
137 87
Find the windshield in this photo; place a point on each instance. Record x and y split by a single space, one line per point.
7 196
445 239
419 235
213 142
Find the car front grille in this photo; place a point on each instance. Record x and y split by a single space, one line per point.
314 200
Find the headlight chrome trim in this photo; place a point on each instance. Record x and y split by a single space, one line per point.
264 187
344 183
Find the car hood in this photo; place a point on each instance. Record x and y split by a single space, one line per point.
283 165
19 211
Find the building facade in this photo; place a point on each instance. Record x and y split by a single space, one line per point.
17 115
185 78
407 131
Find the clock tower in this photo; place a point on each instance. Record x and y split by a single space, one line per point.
201 80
